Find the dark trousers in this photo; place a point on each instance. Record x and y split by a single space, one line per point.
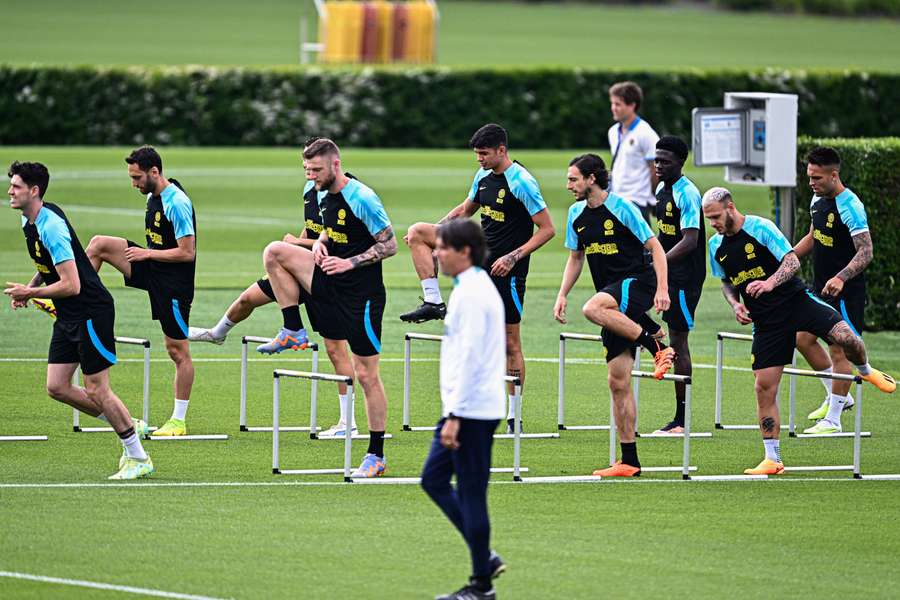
465 506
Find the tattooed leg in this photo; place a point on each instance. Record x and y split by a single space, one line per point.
852 345
766 388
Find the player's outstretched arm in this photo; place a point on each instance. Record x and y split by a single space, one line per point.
734 299
661 300
684 246
805 245
574 266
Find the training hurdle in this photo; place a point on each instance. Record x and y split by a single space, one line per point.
23 438
721 336
145 412
857 430
314 389
407 362
277 375
636 390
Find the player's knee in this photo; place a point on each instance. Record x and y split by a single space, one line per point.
367 378
95 246
764 389
178 351
245 301
618 384
57 390
416 234
272 253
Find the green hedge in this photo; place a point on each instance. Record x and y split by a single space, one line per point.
542 108
871 168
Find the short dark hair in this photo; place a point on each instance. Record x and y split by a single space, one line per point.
33 174
462 233
824 156
145 157
591 164
320 147
673 144
489 136
629 92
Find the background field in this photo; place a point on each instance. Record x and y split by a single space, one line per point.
214 521
471 34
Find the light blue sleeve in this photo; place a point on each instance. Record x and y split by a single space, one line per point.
768 235
473 191
55 236
367 206
852 212
687 198
571 237
714 266
525 187
178 210
630 216
308 186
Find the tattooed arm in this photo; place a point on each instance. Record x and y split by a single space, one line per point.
384 247
790 264
857 264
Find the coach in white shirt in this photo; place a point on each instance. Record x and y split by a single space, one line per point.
633 145
473 367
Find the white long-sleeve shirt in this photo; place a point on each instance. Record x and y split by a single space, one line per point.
473 351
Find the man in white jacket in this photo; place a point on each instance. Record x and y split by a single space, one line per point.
473 367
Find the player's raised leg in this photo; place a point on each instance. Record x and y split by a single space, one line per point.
242 307
421 239
288 268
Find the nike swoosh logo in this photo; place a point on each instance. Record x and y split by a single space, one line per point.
481 189
580 229
723 258
306 202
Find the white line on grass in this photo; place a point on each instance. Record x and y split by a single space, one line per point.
553 360
414 481
103 586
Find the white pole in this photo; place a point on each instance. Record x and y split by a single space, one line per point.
793 395
146 412
517 432
348 433
560 407
719 359
686 463
612 432
243 417
857 431
314 398
406 360
637 387
275 412
76 415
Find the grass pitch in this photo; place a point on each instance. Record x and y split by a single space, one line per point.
266 32
215 522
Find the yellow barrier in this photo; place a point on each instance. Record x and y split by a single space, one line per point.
377 31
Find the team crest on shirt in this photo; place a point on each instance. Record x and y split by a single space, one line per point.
830 222
501 195
37 248
749 250
156 218
342 214
608 226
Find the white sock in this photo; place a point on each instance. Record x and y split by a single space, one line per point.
222 327
835 408
773 449
431 290
344 400
827 382
103 418
180 410
133 447
864 369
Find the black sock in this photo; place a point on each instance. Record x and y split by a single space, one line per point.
629 454
646 340
482 584
679 412
376 443
291 316
126 434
